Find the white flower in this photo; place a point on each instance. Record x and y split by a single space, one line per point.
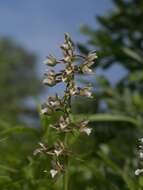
138 171
37 151
65 46
88 94
86 91
42 146
50 60
51 78
45 61
59 148
53 173
141 140
54 101
44 110
67 59
58 152
64 122
141 155
92 56
49 81
86 130
63 125
85 69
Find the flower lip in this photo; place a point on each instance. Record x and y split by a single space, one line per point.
53 173
64 122
44 109
43 148
83 127
86 91
57 167
138 171
86 130
54 101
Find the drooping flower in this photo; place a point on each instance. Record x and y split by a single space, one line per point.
67 59
86 91
59 148
86 69
53 172
89 61
141 155
83 127
86 130
57 167
141 140
64 122
42 149
46 109
55 102
50 60
91 57
138 171
50 78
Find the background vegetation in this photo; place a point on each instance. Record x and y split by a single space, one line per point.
109 158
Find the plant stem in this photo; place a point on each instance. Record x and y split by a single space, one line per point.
68 112
66 178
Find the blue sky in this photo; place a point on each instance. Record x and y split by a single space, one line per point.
40 24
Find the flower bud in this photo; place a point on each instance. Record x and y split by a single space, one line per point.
83 127
50 60
86 91
92 56
85 69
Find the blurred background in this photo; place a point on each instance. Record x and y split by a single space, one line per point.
29 31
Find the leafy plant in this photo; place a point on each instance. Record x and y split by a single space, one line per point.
118 41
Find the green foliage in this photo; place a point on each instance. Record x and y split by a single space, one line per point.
108 159
118 41
18 80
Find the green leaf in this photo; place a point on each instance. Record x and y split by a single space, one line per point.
20 129
132 54
7 168
5 179
108 118
126 176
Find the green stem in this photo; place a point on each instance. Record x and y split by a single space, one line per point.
67 112
66 177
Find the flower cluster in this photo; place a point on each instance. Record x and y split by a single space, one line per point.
64 123
140 170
